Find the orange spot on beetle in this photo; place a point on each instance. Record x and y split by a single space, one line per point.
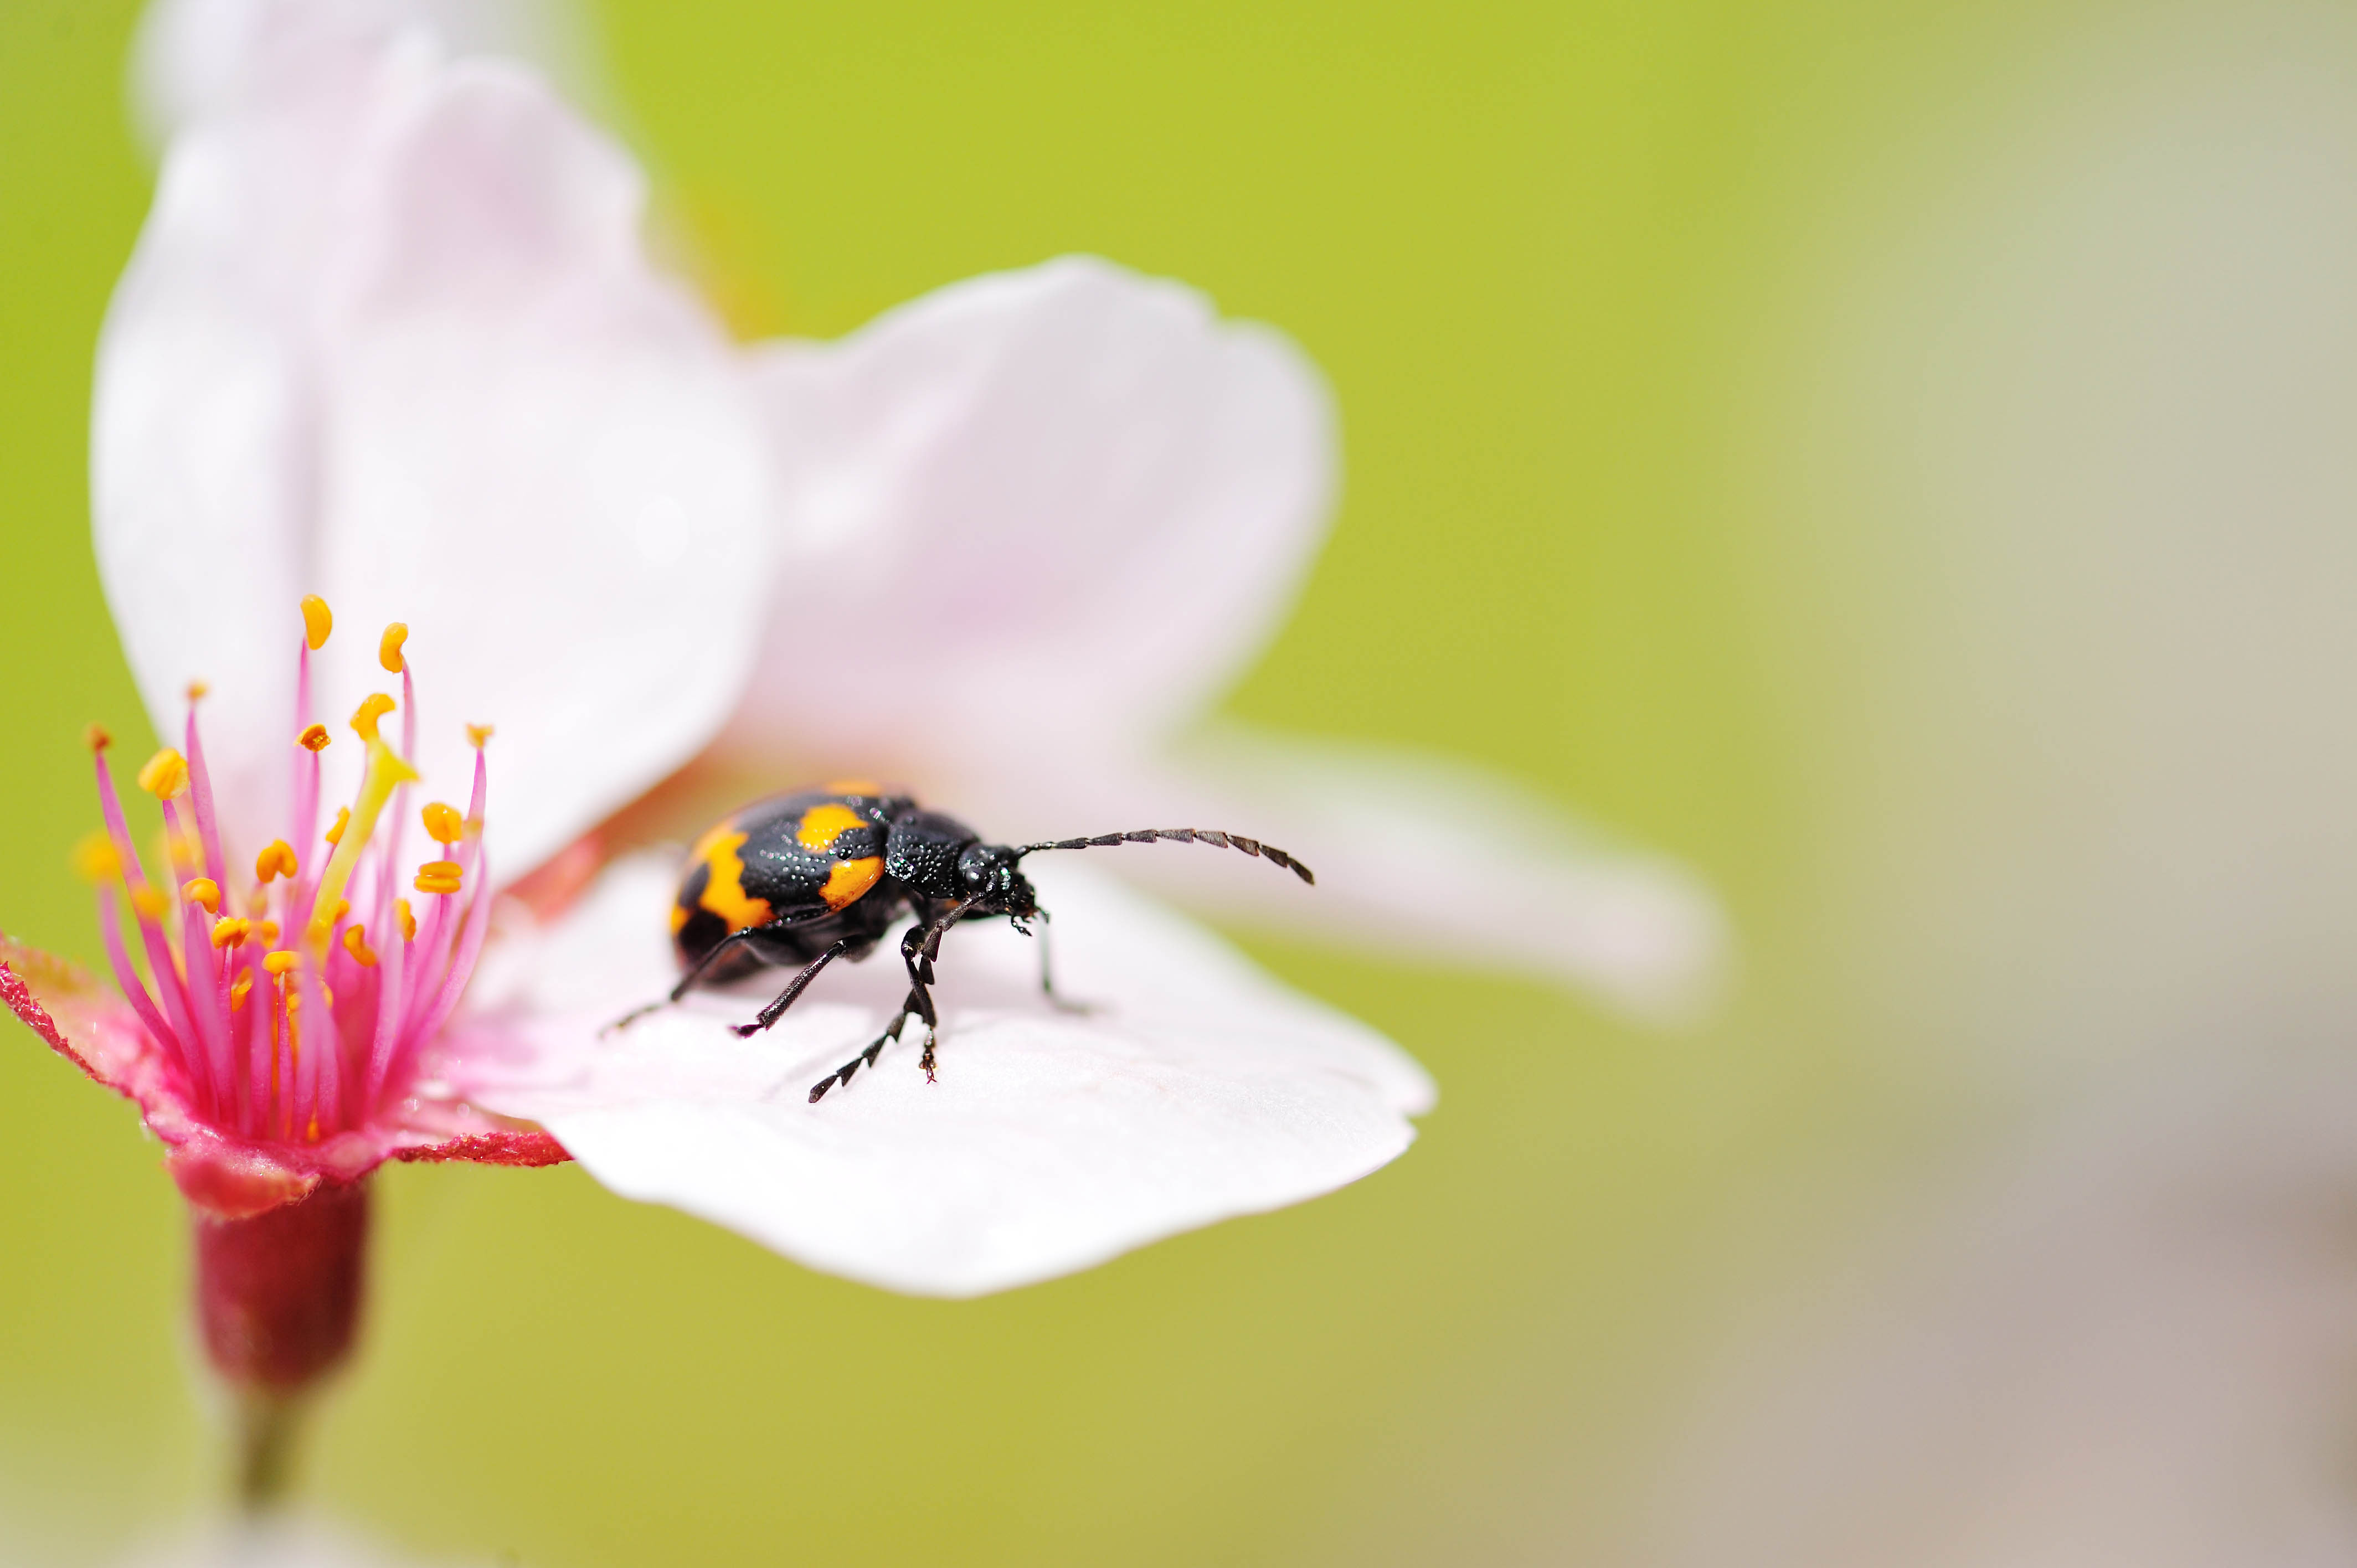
849 880
723 887
822 825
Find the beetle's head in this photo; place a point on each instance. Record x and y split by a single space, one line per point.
992 872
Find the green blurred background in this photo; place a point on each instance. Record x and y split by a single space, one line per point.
1572 270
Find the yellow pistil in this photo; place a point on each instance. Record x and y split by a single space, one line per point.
313 738
388 648
95 858
318 621
374 707
385 773
277 860
202 890
356 944
439 877
166 775
230 931
279 963
408 921
343 820
443 825
150 903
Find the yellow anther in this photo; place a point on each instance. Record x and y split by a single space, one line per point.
442 822
316 622
277 860
477 735
243 984
202 890
95 858
196 690
439 877
268 930
343 820
230 931
166 775
315 738
388 648
374 707
343 908
150 903
182 850
356 944
408 921
95 737
278 962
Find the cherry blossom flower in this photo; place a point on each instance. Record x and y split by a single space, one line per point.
277 1042
1082 504
391 337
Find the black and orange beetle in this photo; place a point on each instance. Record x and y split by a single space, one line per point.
818 875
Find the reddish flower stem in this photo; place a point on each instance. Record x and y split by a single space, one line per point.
278 1305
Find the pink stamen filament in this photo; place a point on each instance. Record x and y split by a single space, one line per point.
201 799
182 1035
285 1061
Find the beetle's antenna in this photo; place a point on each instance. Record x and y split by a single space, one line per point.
1181 835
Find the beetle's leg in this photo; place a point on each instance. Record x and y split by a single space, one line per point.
917 948
1047 974
867 1058
711 955
696 972
920 945
770 1014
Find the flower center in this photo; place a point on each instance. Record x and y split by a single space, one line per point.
298 1011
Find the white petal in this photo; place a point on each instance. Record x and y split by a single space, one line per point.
205 412
1060 500
1425 856
390 335
542 458
1198 1090
195 57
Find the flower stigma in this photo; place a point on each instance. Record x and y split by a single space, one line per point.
301 1042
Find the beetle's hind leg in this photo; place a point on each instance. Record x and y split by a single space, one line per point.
735 944
770 1014
868 1058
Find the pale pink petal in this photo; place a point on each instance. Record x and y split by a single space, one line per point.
1058 510
542 459
1060 502
1428 857
192 58
205 411
1197 1090
390 335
